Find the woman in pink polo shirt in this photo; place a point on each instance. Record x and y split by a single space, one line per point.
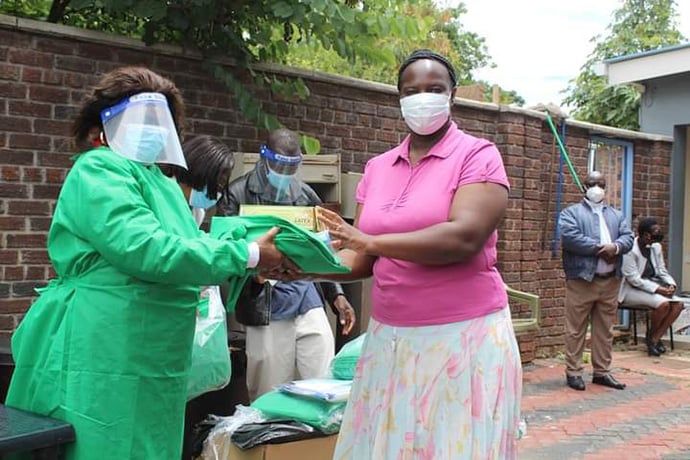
440 375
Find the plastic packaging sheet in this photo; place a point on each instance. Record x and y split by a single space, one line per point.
211 368
329 390
345 362
217 444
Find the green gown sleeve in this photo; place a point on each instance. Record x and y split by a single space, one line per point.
111 207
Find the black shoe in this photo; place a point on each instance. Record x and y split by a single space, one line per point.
608 381
660 347
653 350
576 382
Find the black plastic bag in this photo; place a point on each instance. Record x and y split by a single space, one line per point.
273 432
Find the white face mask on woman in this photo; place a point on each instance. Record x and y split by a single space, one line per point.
425 113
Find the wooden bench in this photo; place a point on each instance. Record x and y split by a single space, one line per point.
24 432
633 309
523 325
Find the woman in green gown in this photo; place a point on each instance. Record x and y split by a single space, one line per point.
107 345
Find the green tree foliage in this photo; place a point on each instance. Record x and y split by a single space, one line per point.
246 30
440 29
638 25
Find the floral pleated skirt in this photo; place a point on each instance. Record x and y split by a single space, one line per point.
435 392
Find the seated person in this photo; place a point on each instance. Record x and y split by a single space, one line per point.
647 282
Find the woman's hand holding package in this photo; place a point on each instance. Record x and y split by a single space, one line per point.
344 235
270 258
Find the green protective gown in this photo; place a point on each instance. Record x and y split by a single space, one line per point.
107 345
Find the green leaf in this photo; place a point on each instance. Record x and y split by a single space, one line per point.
282 9
311 145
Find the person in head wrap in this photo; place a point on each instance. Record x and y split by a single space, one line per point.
297 340
107 345
440 374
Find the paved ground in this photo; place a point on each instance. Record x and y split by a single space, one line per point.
650 419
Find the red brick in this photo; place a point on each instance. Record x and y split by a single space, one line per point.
32 174
12 223
14 305
54 127
7 322
9 173
26 288
12 90
31 58
13 274
76 64
32 75
49 192
75 80
55 175
55 46
52 77
34 257
29 109
9 72
28 208
35 273
62 160
49 94
15 124
29 141
14 157
9 257
26 240
11 190
40 224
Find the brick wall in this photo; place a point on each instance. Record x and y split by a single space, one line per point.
45 73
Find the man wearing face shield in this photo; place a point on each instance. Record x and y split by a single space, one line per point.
287 329
595 236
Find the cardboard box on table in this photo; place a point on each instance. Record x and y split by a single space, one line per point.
301 216
309 449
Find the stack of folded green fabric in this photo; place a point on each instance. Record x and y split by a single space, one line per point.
322 415
344 364
305 249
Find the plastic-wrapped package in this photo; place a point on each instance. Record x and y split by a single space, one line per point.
322 415
272 432
344 364
210 369
217 445
329 390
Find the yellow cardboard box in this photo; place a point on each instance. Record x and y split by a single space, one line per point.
302 216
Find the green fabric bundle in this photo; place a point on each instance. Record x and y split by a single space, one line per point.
344 364
322 415
306 250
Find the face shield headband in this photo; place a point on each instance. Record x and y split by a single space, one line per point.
141 128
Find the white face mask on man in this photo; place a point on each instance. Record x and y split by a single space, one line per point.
595 194
425 113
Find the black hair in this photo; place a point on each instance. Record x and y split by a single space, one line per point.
117 85
284 140
645 226
208 159
428 54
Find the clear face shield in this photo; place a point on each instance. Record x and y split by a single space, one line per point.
141 128
281 174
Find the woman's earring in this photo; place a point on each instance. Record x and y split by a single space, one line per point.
101 137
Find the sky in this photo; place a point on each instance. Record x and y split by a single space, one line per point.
539 45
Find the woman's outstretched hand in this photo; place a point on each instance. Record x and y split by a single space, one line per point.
344 235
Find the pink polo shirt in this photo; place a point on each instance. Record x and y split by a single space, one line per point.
397 198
